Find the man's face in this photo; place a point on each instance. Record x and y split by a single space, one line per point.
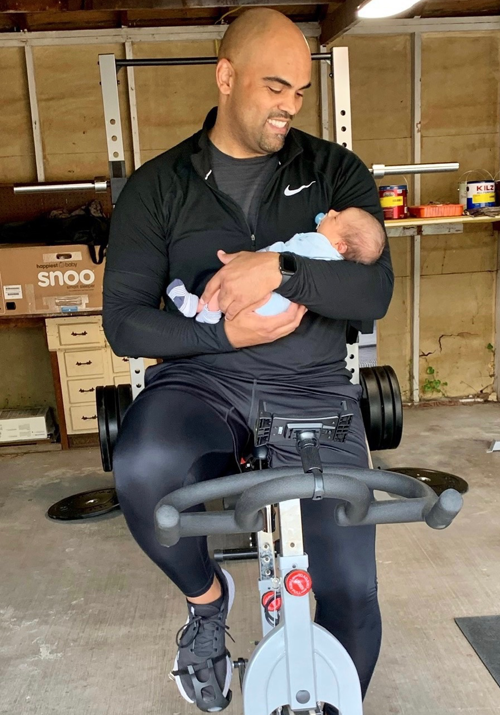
266 96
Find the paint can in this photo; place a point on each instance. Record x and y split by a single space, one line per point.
477 194
497 189
394 201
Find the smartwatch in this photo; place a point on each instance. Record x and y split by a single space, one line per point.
288 267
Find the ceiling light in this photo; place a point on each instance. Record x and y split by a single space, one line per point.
385 8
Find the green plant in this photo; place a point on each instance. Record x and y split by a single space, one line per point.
432 384
490 347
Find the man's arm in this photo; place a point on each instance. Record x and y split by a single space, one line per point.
135 278
342 289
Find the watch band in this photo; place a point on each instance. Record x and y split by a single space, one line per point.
288 267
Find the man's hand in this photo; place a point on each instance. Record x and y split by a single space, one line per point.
245 279
248 328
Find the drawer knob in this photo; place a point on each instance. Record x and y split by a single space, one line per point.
124 359
94 417
89 362
92 389
78 334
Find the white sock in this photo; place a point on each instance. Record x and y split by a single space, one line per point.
208 316
186 302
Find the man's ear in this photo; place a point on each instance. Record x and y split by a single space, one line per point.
224 74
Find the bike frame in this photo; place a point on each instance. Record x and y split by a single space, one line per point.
297 662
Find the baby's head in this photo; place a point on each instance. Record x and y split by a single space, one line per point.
356 234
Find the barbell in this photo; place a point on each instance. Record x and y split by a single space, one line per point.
381 407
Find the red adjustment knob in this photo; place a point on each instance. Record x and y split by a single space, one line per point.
272 601
298 583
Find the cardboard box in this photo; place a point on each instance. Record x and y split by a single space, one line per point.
49 280
26 425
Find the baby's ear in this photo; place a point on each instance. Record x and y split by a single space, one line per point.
341 247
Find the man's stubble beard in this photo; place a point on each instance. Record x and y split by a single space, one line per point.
268 145
271 145
271 148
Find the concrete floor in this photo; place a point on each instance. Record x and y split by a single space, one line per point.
87 623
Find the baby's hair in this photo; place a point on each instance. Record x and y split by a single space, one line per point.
363 236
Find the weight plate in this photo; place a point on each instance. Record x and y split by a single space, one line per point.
438 481
103 429
111 406
371 407
387 407
84 505
124 393
397 407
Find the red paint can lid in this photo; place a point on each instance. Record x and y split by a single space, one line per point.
298 583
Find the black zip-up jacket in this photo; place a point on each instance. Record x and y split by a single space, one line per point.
171 219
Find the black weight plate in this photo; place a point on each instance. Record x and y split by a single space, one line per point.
397 406
84 505
371 407
103 429
438 481
111 406
125 398
387 407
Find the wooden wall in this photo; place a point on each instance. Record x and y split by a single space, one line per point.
17 153
460 90
460 119
460 122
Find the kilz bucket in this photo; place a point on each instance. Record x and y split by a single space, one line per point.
477 194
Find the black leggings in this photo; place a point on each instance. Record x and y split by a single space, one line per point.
177 433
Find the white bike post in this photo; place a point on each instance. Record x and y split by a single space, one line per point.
298 662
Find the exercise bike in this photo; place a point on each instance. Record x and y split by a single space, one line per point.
298 666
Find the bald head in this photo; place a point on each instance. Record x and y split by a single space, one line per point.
263 70
252 31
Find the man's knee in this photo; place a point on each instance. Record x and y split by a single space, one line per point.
347 601
148 466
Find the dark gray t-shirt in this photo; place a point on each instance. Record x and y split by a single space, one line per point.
244 180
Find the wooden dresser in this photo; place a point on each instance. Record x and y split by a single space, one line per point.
85 360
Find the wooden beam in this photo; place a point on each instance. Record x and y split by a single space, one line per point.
189 4
339 21
33 6
24 6
454 8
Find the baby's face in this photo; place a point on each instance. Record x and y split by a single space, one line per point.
330 225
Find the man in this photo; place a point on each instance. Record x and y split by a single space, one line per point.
246 180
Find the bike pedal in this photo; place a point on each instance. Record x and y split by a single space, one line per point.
241 662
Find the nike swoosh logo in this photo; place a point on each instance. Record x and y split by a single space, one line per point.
292 192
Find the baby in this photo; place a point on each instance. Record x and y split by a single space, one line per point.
352 234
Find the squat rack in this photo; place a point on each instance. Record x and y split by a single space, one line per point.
337 58
109 67
334 65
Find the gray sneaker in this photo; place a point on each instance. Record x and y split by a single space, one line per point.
203 666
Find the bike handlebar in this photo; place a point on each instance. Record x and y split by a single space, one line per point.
352 486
